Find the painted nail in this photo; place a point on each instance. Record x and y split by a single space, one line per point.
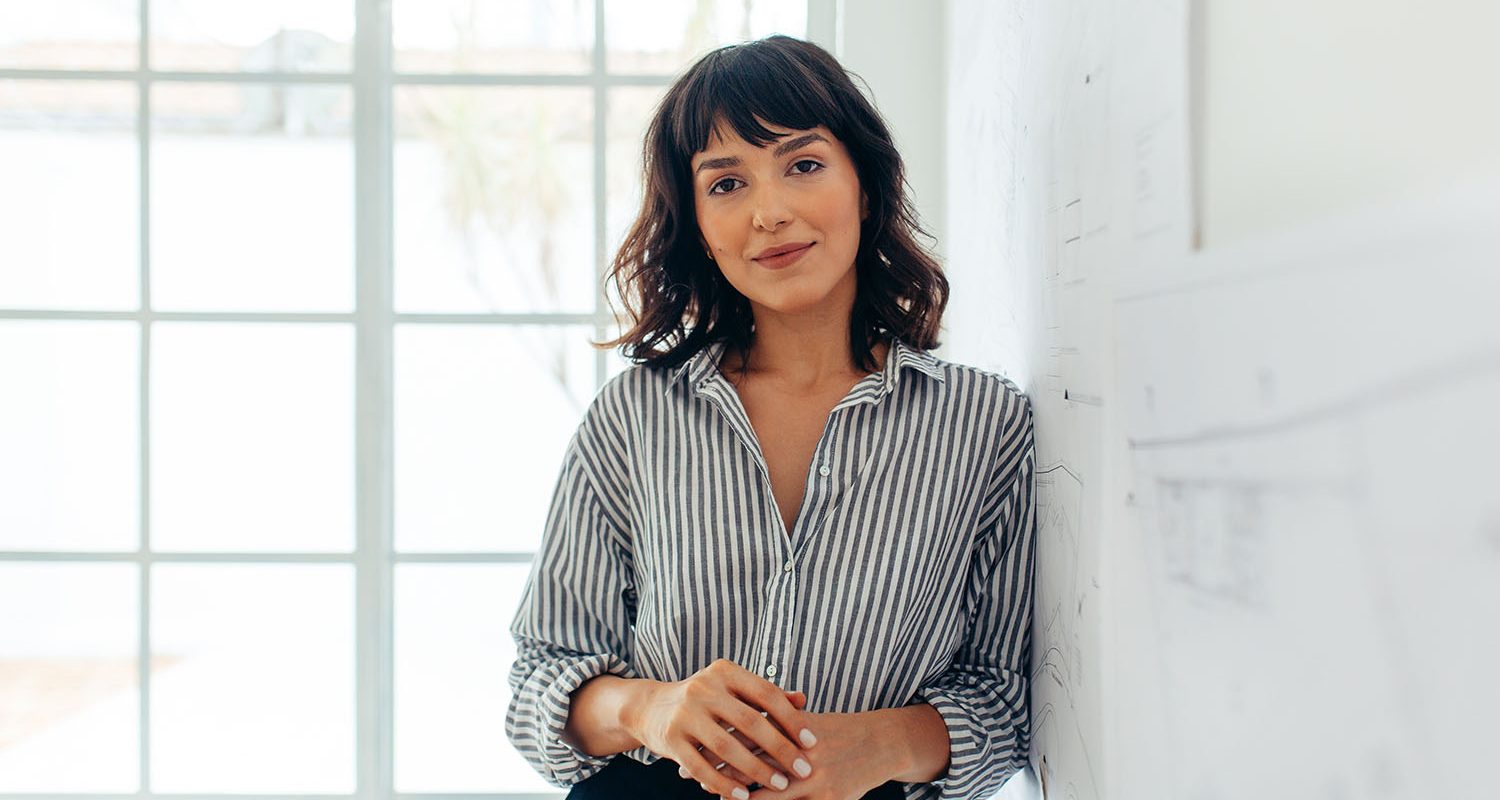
682 771
779 781
741 793
807 737
803 768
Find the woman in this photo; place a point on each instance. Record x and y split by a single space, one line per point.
789 553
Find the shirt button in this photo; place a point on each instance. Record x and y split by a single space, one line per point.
787 567
771 671
824 470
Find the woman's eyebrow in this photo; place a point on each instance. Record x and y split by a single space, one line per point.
792 144
781 150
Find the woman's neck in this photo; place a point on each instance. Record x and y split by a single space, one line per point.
801 365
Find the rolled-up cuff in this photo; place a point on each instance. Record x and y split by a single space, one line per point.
559 762
977 762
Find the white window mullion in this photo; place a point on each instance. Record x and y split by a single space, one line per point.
825 23
143 573
601 184
374 334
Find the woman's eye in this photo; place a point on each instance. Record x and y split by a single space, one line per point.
727 185
714 188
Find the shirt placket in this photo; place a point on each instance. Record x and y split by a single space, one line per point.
727 403
781 593
775 635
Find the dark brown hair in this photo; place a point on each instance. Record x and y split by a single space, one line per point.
678 298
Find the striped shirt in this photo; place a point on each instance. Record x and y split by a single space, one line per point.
906 578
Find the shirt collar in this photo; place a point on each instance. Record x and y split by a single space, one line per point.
703 363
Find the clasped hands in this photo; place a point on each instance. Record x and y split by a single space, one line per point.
730 729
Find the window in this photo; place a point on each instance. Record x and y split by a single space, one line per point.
295 298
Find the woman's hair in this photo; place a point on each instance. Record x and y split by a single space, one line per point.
678 298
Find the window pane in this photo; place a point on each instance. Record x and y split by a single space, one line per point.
665 36
257 691
483 415
453 655
69 435
630 110
69 34
252 444
70 194
494 199
614 362
69 685
263 36
252 198
537 36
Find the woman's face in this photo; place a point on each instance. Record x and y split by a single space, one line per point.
801 190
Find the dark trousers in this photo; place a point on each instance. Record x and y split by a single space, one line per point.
627 779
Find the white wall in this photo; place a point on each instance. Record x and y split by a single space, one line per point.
897 48
1265 467
1322 107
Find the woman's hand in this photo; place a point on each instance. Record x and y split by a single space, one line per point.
798 701
851 759
675 719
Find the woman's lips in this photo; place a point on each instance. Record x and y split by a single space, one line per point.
783 259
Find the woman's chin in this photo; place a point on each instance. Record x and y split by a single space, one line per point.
794 303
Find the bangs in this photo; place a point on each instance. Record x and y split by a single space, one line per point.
743 86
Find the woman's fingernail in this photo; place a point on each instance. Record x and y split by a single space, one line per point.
803 768
741 793
779 781
807 737
682 771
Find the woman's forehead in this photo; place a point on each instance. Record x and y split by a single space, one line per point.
723 134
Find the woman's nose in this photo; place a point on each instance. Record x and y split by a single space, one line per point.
770 212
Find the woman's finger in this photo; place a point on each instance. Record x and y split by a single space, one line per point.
729 746
733 772
749 781
766 734
696 767
742 738
742 716
784 730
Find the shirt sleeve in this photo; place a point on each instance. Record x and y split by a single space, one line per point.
983 695
574 620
